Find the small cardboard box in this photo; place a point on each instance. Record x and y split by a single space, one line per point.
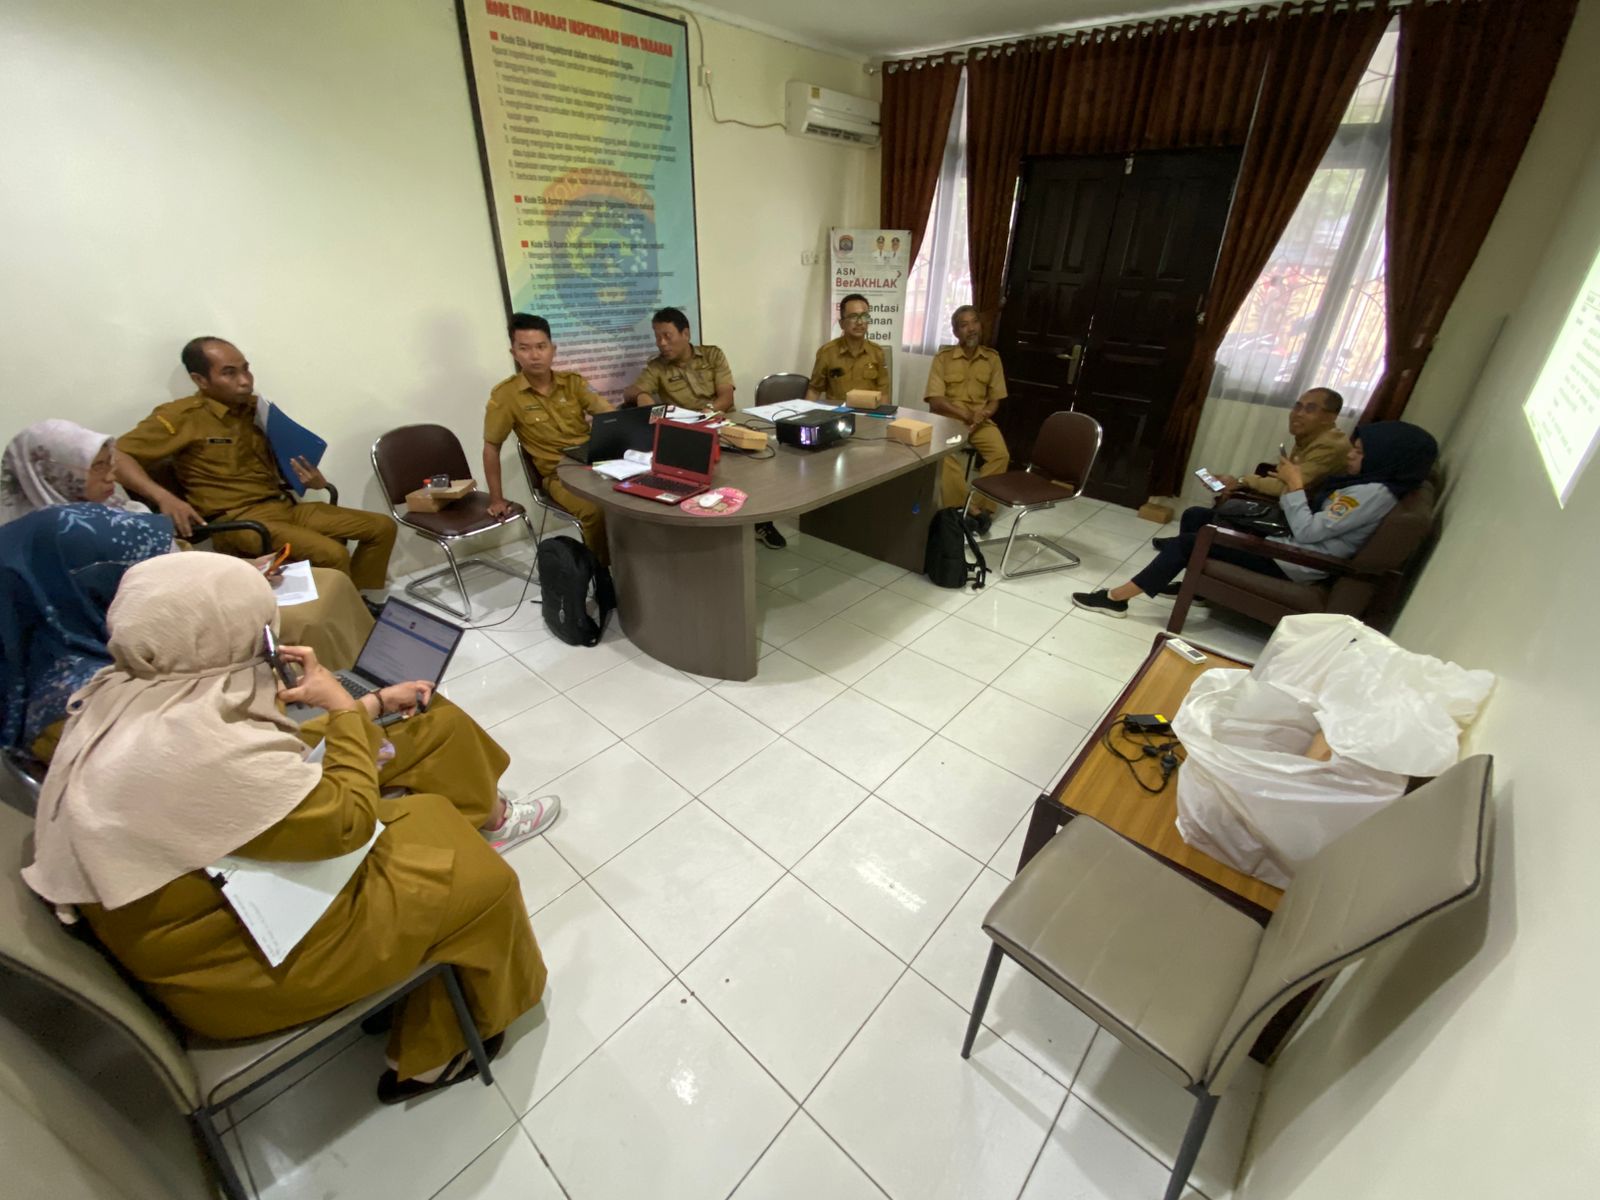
1154 510
426 499
742 437
912 433
862 398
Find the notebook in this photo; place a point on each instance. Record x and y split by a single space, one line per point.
684 458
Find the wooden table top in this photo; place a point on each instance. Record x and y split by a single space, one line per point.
1099 785
791 481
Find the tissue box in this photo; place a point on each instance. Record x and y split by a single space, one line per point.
744 438
912 433
434 499
861 398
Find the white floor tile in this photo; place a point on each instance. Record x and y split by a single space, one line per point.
781 618
600 975
608 803
1087 1158
1072 692
784 692
684 882
784 800
1000 611
1025 1012
888 875
804 1164
1097 643
922 1121
629 696
961 796
700 742
515 641
1153 1110
864 566
970 649
508 1170
810 547
793 981
546 741
563 666
860 738
1025 740
543 873
1053 589
671 1107
1004 860
828 589
497 691
842 649
777 569
329 1136
476 649
893 616
928 692
925 591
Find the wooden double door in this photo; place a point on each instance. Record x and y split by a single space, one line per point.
1108 276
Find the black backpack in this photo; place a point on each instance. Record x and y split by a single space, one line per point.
568 570
946 559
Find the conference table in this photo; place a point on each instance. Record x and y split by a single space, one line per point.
686 584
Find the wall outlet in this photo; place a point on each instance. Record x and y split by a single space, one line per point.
809 258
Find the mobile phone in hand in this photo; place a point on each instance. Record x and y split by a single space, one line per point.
1283 449
1210 480
285 671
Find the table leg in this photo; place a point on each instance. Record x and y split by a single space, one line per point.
887 522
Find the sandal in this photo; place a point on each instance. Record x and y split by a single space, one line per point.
393 1090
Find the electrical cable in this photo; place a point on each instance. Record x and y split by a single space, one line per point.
705 75
1169 755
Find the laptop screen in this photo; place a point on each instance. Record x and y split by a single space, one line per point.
407 643
685 449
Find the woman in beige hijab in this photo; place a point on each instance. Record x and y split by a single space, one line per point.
178 754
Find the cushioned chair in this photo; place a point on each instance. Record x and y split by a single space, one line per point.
776 389
166 475
1367 585
403 459
1186 980
202 1077
541 498
1063 454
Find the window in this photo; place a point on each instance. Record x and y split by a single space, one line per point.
941 278
1316 314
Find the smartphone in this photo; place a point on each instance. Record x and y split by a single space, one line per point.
278 559
286 673
1210 480
1283 449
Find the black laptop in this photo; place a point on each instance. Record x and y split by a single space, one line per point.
613 432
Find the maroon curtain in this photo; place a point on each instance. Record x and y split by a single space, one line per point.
1001 86
1316 60
1470 80
918 98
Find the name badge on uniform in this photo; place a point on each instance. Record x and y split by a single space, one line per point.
219 441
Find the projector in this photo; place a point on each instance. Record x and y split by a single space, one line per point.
816 430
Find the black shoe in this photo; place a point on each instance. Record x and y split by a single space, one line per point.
1099 601
767 533
1172 589
391 1090
1161 543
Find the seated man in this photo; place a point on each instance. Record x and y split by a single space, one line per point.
682 373
850 362
228 474
966 382
549 410
1319 448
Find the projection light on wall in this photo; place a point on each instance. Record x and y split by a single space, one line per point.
1563 409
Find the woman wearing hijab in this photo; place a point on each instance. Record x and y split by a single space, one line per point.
179 754
60 462
1388 460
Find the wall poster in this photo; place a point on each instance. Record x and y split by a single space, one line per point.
874 263
582 111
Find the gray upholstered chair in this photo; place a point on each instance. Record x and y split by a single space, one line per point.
1063 454
776 389
1186 980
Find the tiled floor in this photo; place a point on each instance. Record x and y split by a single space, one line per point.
761 910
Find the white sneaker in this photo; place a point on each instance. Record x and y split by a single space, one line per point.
525 818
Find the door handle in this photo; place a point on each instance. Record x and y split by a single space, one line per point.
1075 359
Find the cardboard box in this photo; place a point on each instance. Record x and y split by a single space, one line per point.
912 433
1154 510
861 398
434 499
742 437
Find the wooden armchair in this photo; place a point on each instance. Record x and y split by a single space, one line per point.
1368 585
164 474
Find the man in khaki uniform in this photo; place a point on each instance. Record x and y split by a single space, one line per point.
228 473
850 362
682 373
966 382
1319 448
548 410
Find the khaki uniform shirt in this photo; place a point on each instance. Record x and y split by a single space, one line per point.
221 458
966 382
839 370
544 425
691 385
1317 457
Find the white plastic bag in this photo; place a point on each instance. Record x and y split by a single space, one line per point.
1248 795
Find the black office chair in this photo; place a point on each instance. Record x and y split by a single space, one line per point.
776 389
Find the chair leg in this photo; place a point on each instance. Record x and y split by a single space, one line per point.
469 1028
232 1187
1205 1104
461 586
981 1001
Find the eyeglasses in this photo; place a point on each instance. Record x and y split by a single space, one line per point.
854 318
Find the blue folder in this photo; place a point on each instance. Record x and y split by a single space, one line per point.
289 439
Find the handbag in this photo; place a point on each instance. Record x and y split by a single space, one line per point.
1253 516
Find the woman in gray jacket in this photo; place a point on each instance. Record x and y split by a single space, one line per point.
1388 460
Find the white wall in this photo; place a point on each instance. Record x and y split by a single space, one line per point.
1462 1064
302 178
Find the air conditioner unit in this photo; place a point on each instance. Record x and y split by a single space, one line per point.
834 116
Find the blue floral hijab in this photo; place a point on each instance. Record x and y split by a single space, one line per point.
59 569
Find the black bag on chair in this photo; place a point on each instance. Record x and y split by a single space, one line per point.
1253 516
945 561
568 573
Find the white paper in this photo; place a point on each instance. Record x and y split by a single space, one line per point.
279 902
789 408
296 586
643 457
620 469
685 415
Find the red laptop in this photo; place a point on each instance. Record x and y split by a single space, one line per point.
685 456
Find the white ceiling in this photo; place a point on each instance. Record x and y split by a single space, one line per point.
877 29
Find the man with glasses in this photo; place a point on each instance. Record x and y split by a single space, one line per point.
1319 449
850 362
